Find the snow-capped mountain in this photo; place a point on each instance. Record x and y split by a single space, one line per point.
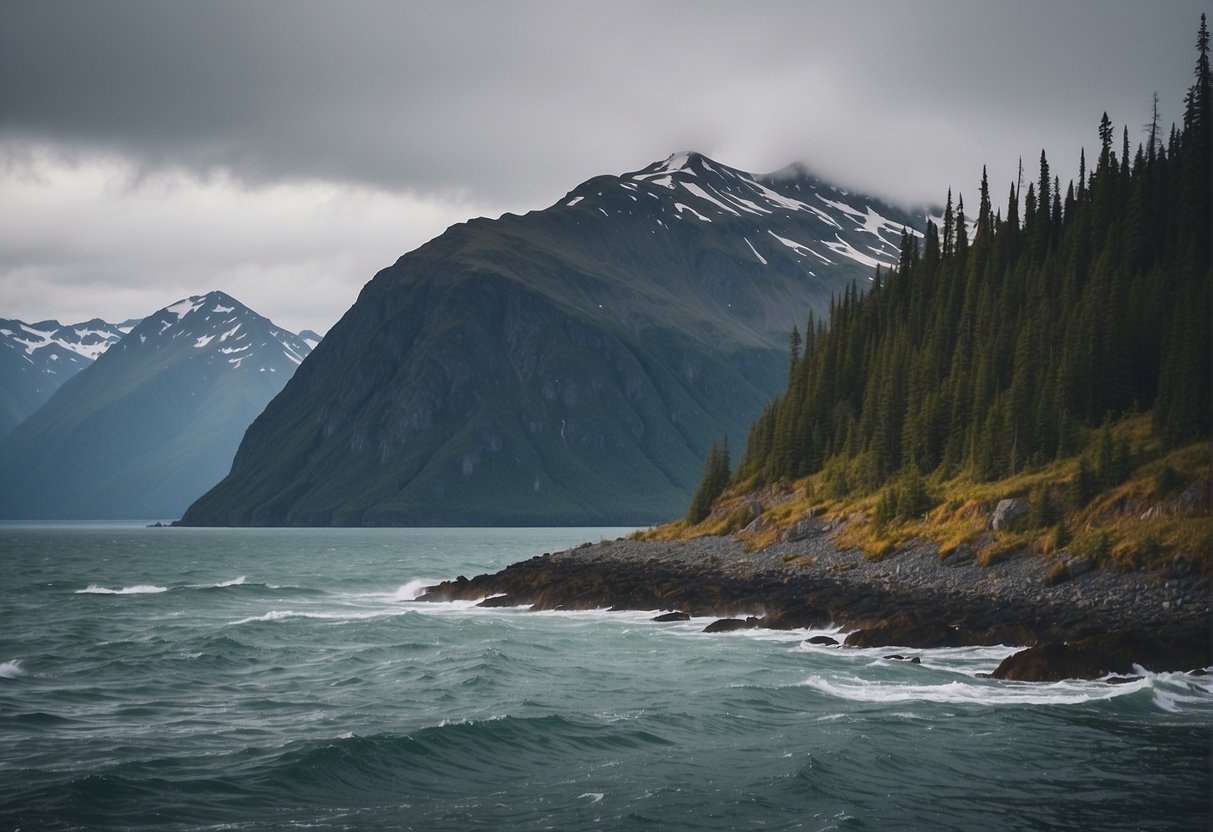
154 421
567 366
834 227
35 359
215 328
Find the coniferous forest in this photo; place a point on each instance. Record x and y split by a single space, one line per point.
1004 344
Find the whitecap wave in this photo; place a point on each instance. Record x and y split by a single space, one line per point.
972 693
140 589
11 669
233 582
334 615
411 590
1179 692
272 615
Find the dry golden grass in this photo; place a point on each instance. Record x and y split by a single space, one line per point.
1110 529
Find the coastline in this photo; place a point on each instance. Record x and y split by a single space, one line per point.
1088 626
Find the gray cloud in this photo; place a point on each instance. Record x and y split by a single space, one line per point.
518 101
495 106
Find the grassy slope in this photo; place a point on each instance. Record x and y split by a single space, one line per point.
1115 529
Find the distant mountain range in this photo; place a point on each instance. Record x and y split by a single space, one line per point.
35 359
151 423
569 366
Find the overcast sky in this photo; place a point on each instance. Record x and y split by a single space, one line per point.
286 151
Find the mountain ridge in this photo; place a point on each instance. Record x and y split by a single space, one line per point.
153 421
36 358
567 365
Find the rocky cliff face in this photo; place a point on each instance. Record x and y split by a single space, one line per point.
564 367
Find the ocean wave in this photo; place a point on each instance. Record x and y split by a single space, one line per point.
11 669
233 582
443 756
139 589
974 692
411 590
1181 693
331 615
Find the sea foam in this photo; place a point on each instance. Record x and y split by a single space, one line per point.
11 669
972 693
140 589
328 615
411 590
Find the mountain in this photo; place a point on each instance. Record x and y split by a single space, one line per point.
154 421
568 366
35 359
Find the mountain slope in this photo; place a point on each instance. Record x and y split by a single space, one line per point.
154 421
566 366
36 359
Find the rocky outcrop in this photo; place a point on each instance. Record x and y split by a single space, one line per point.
910 599
907 629
1109 653
730 625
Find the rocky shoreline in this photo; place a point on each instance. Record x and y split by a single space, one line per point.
1090 624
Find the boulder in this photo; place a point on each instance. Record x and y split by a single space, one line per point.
1099 655
500 601
804 528
905 629
758 525
728 625
1006 513
673 616
824 641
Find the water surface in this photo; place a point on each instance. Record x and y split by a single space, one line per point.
285 679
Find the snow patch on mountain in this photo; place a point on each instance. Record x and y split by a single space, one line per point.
842 247
761 259
798 247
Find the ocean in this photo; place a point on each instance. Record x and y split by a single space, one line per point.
275 679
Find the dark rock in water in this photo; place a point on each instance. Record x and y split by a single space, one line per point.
1122 680
499 601
673 616
1099 655
906 629
796 618
897 657
823 640
728 625
1006 513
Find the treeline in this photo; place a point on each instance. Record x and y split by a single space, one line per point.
998 350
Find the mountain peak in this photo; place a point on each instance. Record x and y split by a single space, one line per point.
214 301
682 160
684 164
